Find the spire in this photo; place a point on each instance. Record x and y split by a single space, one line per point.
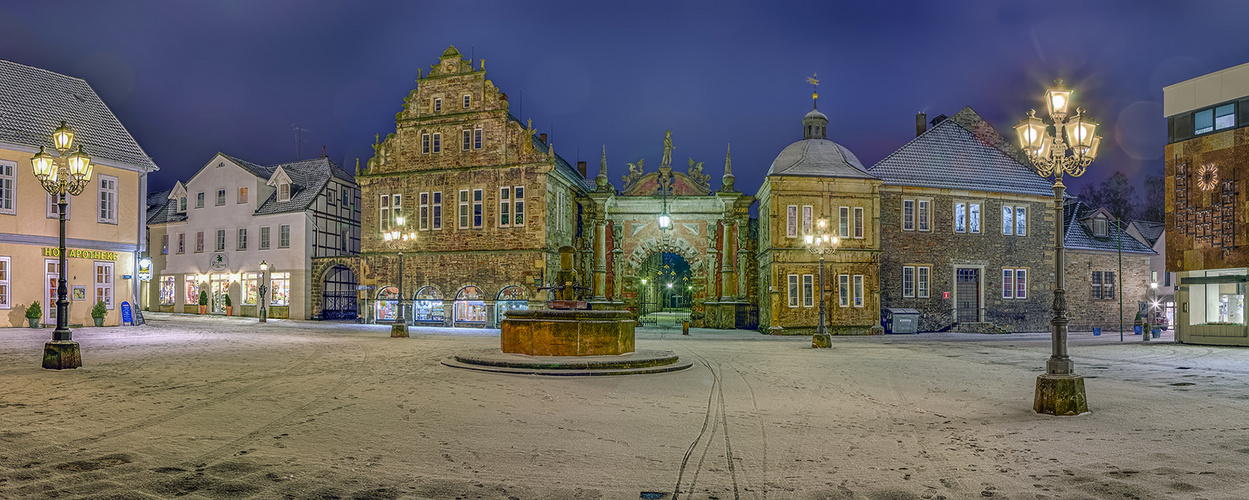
726 182
815 90
815 124
603 182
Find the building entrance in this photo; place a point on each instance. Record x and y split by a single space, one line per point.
967 286
338 293
667 284
219 287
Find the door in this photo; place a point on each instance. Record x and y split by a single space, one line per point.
219 288
967 298
53 276
338 294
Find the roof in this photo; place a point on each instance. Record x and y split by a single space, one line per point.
818 158
157 198
308 179
165 213
1077 236
950 155
561 164
1150 230
34 101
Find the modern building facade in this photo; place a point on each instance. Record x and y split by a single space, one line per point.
212 234
104 230
1207 167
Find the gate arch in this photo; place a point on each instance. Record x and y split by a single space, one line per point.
338 294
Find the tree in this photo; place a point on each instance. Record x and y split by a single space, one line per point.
1154 204
1119 196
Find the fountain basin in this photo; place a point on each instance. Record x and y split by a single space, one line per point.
567 332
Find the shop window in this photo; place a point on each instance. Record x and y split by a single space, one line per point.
104 283
387 304
427 305
279 289
166 290
512 298
191 286
469 306
251 283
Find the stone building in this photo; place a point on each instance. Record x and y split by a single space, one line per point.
104 226
967 230
1207 168
212 233
1162 283
1107 269
489 200
814 179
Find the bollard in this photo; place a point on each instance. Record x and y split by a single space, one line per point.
1145 333
685 327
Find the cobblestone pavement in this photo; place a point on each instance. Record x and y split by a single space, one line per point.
217 407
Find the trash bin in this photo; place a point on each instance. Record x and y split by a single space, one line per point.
900 320
1157 332
685 327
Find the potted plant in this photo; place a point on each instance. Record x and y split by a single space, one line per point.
33 313
203 302
98 312
229 306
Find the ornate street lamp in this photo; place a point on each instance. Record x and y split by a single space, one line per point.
1068 151
262 289
665 185
61 175
397 239
820 243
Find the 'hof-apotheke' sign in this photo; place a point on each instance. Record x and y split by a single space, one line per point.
80 254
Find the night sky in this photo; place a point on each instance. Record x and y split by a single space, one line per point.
189 79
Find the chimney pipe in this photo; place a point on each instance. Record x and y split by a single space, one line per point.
921 123
581 168
542 137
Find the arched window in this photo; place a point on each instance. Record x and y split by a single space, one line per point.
387 303
510 298
427 305
469 306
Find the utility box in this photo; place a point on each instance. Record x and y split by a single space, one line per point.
900 320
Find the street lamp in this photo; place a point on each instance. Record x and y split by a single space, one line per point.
262 290
398 240
821 243
66 173
1059 391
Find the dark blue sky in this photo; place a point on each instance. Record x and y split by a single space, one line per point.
189 79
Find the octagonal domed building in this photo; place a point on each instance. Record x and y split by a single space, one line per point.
812 179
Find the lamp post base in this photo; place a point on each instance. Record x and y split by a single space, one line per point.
399 330
821 341
1060 394
61 354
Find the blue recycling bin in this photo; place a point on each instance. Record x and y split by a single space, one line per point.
1097 331
1136 330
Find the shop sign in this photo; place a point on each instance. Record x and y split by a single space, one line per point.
77 253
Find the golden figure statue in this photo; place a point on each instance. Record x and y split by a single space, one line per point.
667 159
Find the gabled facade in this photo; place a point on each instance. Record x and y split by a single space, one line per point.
1162 283
213 232
104 230
490 202
1107 269
967 230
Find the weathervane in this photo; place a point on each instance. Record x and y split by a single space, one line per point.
815 91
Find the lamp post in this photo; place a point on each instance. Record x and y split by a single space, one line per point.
262 290
645 293
1150 315
821 243
61 175
398 240
1068 151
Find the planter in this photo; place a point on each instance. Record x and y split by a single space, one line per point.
229 310
99 321
203 309
34 322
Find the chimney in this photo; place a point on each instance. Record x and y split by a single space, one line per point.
581 168
921 123
542 137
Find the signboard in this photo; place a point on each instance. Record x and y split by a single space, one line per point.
945 295
126 317
145 269
126 276
218 262
365 287
76 253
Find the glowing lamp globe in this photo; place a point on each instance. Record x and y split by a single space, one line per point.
63 137
42 161
1057 98
1031 131
80 165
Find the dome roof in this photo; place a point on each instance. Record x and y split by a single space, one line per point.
815 113
818 158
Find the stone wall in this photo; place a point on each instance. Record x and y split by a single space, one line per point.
1085 312
1207 227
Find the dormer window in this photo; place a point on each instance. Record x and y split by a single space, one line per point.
437 104
1099 226
182 204
284 191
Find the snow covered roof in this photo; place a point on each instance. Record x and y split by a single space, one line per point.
818 158
1077 236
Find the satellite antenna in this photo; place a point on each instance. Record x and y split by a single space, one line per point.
299 140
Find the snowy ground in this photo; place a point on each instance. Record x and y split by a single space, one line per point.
226 408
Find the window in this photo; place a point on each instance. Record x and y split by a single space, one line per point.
1008 220
438 210
264 238
7 183
843 226
921 282
463 208
192 289
1021 221
437 104
1219 118
858 222
221 197
908 215
284 236
437 143
1103 284
54 208
6 302
166 290
858 290
424 212
199 241
1100 226
808 290
221 240
280 288
518 206
242 195
164 244
284 191
182 204
843 290
1014 220
924 215
908 281
505 206
966 217
793 290
1008 283
390 207
477 208
242 243
477 138
199 200
424 143
1153 276
806 219
346 197
1021 283
468 100
466 139
791 221
181 242
250 283
104 283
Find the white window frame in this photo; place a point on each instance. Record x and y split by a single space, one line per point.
843 290
54 210
808 216
8 187
108 199
199 242
1101 226
794 290
1021 283
858 290
791 221
221 240
464 218
923 281
423 200
6 283
960 217
468 100
505 206
221 198
477 138
808 290
923 215
518 206
199 199
278 278
436 224
425 144
1008 283
858 223
284 236
437 142
1021 220
1008 220
284 191
242 196
466 139
479 210
241 242
264 237
181 243
167 281
103 289
843 222
908 215
383 212
908 282
181 204
437 104
164 244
